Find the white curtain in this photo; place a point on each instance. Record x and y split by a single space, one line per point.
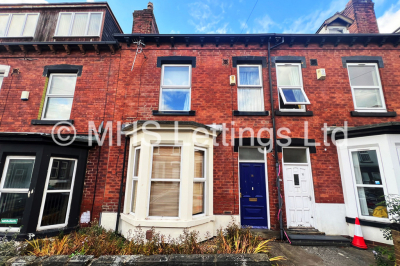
79 27
288 75
176 75
249 76
363 76
64 24
16 25
94 24
250 99
30 25
360 190
3 24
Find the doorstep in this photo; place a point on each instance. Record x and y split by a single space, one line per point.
319 240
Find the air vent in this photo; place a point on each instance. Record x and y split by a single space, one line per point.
313 62
225 62
364 157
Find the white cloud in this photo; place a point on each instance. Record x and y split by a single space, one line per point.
22 1
89 0
390 20
208 17
175 32
311 22
378 2
263 24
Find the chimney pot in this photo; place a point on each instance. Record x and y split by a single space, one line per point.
150 6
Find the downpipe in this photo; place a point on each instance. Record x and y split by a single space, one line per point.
121 186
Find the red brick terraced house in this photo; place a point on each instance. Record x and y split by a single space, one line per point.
198 112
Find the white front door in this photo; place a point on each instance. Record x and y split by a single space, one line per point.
299 195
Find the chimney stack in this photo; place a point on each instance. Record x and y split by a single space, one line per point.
363 14
144 21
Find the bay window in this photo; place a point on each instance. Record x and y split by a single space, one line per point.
366 87
57 194
250 88
79 24
292 96
18 25
175 88
199 182
59 97
369 183
136 160
165 181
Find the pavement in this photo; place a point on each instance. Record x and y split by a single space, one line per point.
321 255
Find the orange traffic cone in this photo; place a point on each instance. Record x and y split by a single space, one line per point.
358 240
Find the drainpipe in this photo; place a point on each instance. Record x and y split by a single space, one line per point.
278 183
121 186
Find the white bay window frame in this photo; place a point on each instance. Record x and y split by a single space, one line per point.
20 35
165 180
47 191
356 186
135 178
72 24
379 87
202 180
164 87
252 87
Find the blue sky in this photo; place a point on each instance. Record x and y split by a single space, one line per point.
229 16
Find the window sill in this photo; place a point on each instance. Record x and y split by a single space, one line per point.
248 113
166 223
370 223
373 114
49 122
16 37
306 113
175 113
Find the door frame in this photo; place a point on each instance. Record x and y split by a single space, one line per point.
266 181
308 164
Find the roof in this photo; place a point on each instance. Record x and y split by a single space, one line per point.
347 21
397 30
261 39
63 5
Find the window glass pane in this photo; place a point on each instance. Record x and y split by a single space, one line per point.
19 173
250 100
372 202
58 108
363 76
164 199
136 166
94 25
166 163
288 75
79 26
294 95
3 24
55 208
64 25
289 106
249 76
134 193
198 164
368 98
251 154
30 25
62 85
16 25
175 100
366 167
198 198
294 155
176 75
61 175
12 206
336 30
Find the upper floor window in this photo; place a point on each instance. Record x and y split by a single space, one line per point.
366 87
79 24
175 87
18 25
292 96
250 88
337 29
59 97
4 70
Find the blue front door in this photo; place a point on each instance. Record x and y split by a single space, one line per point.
253 202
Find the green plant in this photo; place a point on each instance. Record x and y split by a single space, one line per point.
384 256
10 247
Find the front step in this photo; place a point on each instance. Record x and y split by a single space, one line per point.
303 231
318 240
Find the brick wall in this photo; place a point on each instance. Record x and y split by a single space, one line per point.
363 14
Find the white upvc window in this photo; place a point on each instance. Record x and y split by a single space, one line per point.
59 97
164 199
79 24
57 195
199 182
14 190
135 175
18 24
176 81
366 87
290 87
369 183
250 88
337 29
